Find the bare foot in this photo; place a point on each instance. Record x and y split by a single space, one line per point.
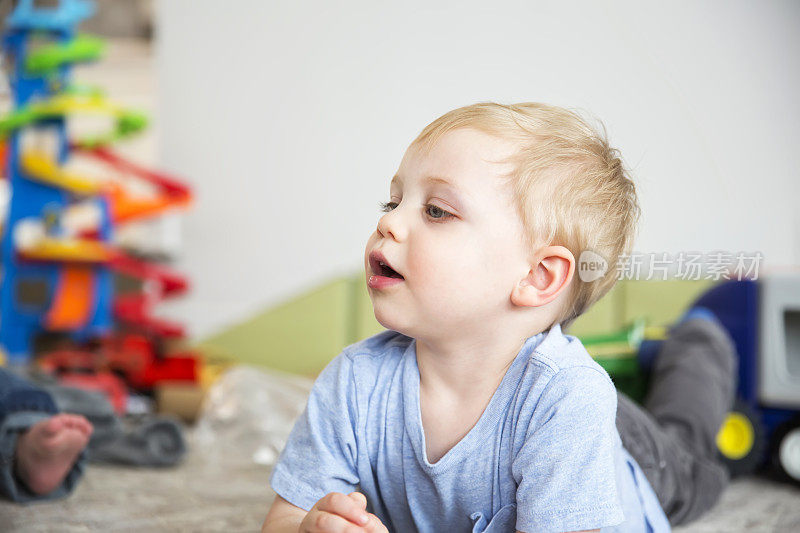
47 451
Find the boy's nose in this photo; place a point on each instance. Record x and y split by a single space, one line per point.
390 226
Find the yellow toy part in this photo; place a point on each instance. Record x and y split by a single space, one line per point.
32 241
76 250
64 104
614 350
656 333
40 167
736 436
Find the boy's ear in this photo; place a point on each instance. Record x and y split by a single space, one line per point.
552 270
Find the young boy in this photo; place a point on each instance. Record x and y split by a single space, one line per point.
474 412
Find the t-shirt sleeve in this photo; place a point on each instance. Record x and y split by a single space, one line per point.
565 470
320 454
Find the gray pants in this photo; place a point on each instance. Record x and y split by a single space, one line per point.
673 438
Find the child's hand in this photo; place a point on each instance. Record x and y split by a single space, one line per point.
337 513
375 525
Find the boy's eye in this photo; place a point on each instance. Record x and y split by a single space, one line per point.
387 206
433 211
436 212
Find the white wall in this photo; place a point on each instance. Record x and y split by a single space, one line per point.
291 117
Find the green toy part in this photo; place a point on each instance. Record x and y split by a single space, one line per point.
126 123
617 353
623 342
49 58
82 89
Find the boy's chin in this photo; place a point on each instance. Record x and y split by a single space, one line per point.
388 321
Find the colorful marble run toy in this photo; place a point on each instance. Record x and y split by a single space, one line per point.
58 275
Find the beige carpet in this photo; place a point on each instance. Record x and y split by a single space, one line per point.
202 496
222 487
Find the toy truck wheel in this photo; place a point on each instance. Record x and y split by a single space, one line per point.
786 450
741 440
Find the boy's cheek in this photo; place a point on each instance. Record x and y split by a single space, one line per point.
371 242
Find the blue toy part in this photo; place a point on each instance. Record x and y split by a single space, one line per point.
19 325
701 313
25 87
735 304
69 13
29 288
30 199
648 351
762 320
102 320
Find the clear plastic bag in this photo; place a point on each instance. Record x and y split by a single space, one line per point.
249 412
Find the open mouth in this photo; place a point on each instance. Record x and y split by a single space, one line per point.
389 272
380 267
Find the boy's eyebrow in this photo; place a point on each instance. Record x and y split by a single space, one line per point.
434 179
456 198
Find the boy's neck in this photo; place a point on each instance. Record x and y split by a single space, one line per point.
466 367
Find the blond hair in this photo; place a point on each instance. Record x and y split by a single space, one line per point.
570 186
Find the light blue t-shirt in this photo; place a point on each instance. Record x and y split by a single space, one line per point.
545 454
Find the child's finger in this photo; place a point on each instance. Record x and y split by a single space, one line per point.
344 506
325 522
375 525
360 499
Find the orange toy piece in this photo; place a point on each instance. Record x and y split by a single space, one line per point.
3 159
73 299
124 207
